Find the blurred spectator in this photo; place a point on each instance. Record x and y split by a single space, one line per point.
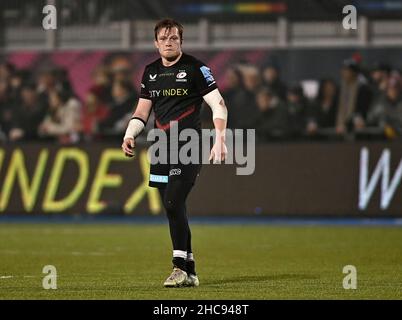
17 79
297 110
386 111
272 122
233 80
6 70
354 99
102 80
62 81
124 100
379 78
46 82
323 110
235 98
30 114
63 119
121 68
271 79
244 108
94 112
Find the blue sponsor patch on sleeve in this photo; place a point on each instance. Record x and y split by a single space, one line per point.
209 78
158 178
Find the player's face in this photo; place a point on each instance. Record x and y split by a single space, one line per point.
168 43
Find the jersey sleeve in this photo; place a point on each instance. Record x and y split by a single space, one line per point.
204 79
144 92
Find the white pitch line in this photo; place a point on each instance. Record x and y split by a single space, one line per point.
92 253
10 251
6 277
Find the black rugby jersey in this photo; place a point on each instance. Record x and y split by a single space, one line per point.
176 91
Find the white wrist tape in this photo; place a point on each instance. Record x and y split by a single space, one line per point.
215 101
134 128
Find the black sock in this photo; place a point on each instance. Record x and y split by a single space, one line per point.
179 263
190 267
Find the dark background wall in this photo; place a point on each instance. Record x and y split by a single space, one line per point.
296 179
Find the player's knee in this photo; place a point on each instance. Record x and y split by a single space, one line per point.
172 206
169 205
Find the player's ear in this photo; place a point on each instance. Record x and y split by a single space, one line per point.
156 44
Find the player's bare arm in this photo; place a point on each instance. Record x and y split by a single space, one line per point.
136 125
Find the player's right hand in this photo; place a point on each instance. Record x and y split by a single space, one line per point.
128 147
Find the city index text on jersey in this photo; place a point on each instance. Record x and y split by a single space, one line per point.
169 92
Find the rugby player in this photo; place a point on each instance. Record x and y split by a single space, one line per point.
174 87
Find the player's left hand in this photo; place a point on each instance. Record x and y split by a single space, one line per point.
218 152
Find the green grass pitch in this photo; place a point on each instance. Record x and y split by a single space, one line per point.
131 261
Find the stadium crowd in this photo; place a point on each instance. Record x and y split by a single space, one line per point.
366 104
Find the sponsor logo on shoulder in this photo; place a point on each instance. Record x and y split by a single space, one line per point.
152 77
180 77
209 78
175 172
